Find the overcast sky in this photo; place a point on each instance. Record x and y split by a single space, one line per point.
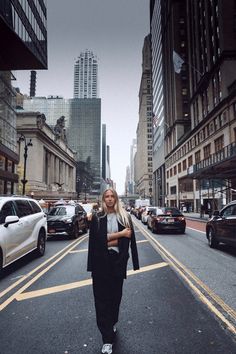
114 30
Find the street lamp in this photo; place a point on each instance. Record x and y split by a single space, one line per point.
85 188
27 144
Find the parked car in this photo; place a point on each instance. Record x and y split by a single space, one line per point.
145 213
222 226
90 208
168 219
152 214
23 228
67 219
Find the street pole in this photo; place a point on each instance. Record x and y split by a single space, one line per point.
24 180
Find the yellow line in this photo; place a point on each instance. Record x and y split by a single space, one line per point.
79 251
4 292
33 280
85 249
147 268
54 289
171 259
79 284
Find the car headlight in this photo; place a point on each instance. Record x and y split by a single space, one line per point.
68 221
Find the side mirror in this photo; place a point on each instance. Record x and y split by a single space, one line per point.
216 213
11 219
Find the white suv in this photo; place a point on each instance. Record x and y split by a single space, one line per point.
23 228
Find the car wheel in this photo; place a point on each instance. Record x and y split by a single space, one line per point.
85 230
76 231
212 241
1 261
41 244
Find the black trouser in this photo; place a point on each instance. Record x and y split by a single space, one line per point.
107 290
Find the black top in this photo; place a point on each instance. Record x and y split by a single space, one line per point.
98 262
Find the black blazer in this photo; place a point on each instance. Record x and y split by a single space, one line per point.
98 262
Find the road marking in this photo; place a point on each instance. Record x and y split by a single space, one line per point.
203 232
181 269
79 251
33 280
79 284
24 277
141 241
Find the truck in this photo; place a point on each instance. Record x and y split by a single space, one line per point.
142 203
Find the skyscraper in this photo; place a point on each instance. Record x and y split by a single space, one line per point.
84 137
23 46
143 175
86 76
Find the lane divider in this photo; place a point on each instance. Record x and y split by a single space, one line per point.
28 275
79 284
36 277
205 294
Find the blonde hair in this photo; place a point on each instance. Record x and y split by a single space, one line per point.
122 215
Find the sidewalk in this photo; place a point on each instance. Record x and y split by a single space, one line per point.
204 217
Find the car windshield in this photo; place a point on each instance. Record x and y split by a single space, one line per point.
68 210
87 207
156 211
171 211
151 210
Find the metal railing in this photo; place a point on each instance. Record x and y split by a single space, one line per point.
224 154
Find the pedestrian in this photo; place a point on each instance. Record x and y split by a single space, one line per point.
111 234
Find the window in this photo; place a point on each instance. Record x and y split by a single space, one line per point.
179 167
219 143
198 156
7 209
207 151
184 165
173 190
190 161
231 210
2 162
35 207
23 208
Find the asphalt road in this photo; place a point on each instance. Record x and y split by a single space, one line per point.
47 304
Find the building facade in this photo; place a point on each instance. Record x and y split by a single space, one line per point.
199 102
133 150
86 76
23 31
52 107
50 166
84 137
23 45
83 132
159 123
143 159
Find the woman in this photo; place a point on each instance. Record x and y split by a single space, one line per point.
111 233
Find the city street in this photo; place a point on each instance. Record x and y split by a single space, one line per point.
182 300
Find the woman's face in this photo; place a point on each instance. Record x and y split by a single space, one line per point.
109 199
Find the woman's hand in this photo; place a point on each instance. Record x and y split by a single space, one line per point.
126 232
115 235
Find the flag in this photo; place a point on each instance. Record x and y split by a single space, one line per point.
178 62
155 120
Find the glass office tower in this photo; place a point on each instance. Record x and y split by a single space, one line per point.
84 136
23 46
23 41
